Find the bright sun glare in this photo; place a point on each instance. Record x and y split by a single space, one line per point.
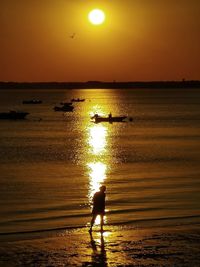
96 16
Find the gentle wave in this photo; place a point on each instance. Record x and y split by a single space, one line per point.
130 222
120 211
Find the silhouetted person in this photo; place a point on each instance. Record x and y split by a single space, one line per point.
98 206
110 116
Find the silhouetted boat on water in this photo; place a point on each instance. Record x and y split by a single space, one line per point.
109 119
13 115
67 107
32 101
77 100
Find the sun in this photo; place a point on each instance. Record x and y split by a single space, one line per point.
96 16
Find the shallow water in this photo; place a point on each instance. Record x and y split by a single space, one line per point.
52 163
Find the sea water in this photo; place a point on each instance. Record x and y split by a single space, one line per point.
52 163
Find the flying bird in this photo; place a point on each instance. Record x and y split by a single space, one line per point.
72 36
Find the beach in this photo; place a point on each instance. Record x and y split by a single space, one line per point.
116 247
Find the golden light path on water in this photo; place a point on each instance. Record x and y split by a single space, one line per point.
97 138
97 175
97 141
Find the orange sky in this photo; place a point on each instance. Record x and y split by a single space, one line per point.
140 40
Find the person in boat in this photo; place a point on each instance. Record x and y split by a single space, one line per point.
95 116
98 206
110 116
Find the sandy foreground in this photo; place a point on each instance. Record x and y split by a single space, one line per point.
119 246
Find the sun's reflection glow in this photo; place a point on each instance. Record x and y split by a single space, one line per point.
97 160
97 138
97 175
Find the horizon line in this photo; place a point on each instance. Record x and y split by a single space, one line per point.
114 81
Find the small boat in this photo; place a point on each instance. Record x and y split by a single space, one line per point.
32 101
77 100
13 115
65 108
109 119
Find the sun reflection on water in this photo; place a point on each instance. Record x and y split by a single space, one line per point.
97 177
97 163
97 138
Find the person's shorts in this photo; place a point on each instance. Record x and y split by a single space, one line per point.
98 212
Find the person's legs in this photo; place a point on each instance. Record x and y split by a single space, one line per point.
102 222
92 221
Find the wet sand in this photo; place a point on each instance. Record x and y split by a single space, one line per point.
118 246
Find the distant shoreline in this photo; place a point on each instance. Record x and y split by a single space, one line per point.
103 85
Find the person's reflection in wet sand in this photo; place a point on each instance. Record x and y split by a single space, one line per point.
98 255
